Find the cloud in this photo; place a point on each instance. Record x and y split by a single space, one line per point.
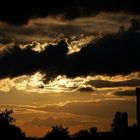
105 83
17 61
54 121
51 29
116 53
20 12
125 93
100 109
86 89
42 31
113 54
74 109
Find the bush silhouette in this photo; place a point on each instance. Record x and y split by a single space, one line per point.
8 131
59 133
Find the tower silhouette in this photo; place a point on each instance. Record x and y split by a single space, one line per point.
138 106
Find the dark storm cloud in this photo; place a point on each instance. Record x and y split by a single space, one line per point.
86 89
113 54
19 12
125 93
104 83
16 61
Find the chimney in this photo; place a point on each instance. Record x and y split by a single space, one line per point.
138 106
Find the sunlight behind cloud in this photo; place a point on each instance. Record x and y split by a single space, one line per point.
69 62
36 80
76 45
35 83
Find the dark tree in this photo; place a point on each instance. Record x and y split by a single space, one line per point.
6 118
58 133
8 131
120 122
82 135
93 132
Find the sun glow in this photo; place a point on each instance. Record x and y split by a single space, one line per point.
76 45
35 83
36 80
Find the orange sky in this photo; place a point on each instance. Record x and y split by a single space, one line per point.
79 103
37 111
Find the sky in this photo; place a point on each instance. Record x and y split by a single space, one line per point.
73 62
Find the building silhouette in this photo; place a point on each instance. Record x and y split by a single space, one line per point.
138 106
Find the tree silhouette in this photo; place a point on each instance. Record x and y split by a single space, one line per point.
93 132
120 130
58 133
5 117
82 135
9 131
86 134
120 122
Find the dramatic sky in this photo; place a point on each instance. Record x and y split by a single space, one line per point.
69 62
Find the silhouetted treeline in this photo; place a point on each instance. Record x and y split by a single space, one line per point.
119 130
8 131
